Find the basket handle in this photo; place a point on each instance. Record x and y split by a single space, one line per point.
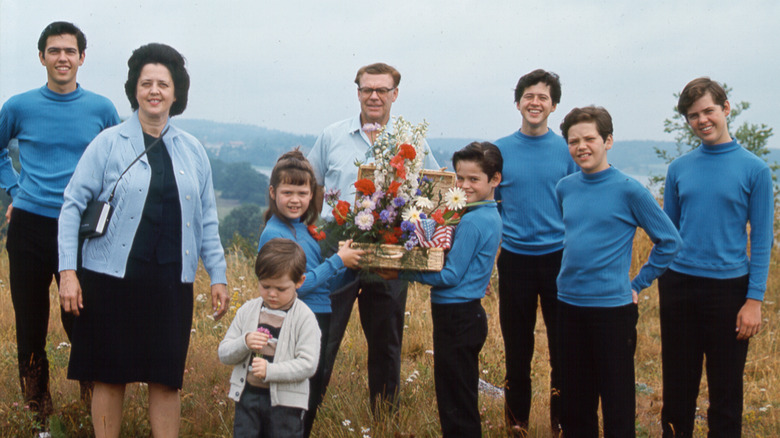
389 256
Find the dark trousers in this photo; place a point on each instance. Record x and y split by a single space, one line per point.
522 280
381 304
318 383
597 346
698 320
459 332
33 262
256 418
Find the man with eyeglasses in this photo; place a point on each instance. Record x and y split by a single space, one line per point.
381 303
53 125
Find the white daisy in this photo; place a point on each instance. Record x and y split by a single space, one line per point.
411 214
424 203
455 198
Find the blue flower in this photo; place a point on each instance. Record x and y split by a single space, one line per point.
399 202
407 226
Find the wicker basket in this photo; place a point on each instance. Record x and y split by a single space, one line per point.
397 257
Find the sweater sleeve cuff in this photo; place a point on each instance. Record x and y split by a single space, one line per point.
67 262
336 262
755 294
218 278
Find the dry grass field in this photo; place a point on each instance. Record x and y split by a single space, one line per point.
207 412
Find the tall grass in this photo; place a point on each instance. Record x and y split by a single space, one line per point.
207 412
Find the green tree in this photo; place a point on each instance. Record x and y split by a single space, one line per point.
244 221
752 137
239 181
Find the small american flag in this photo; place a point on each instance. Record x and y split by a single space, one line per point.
432 235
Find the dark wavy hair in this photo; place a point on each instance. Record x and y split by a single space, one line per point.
535 77
156 53
588 114
293 168
280 257
62 28
485 154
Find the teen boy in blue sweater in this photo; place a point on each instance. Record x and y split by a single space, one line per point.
53 125
711 295
535 159
597 310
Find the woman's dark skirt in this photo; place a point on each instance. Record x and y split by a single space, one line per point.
133 329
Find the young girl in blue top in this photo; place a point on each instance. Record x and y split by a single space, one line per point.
459 321
290 213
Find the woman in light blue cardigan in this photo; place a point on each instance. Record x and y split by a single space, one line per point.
133 294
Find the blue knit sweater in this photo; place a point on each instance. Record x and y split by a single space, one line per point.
711 194
469 263
53 130
601 213
315 291
529 208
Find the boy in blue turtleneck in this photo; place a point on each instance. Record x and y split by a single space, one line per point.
53 125
710 298
597 309
459 320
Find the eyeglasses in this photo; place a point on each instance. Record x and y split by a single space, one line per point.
381 92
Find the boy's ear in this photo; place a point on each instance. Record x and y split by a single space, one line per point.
495 180
300 282
608 143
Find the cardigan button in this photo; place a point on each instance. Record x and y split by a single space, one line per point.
242 380
237 393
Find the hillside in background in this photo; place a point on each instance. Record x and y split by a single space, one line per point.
233 142
261 147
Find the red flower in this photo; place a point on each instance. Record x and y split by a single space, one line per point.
340 212
393 189
389 237
398 163
455 216
438 216
407 151
316 234
365 186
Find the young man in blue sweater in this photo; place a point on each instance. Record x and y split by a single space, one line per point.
597 304
711 295
535 159
53 125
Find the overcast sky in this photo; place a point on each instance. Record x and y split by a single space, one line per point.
290 65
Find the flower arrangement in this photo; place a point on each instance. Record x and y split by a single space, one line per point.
392 197
398 205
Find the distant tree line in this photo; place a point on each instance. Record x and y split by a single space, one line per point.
242 183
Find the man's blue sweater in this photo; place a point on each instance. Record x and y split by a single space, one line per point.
529 208
52 130
314 291
711 194
601 212
469 263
